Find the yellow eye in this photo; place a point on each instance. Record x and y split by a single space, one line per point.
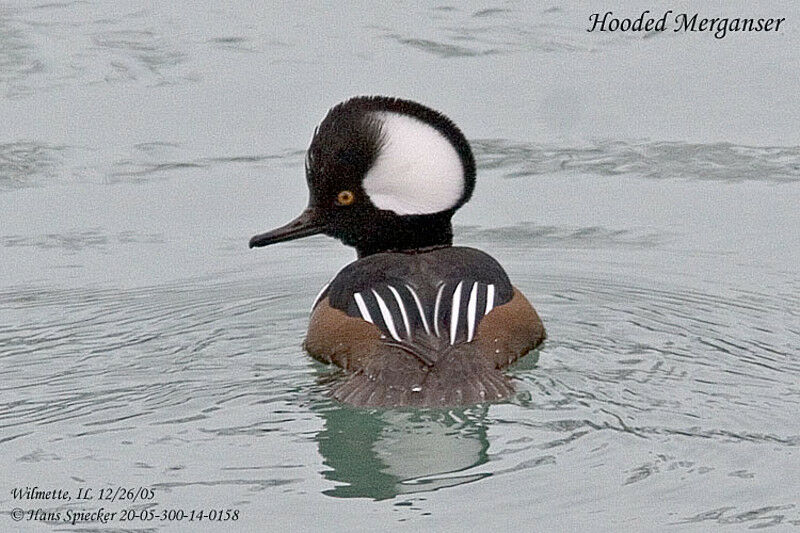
345 198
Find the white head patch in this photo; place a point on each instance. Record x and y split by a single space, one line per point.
417 170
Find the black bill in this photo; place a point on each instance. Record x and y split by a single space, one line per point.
308 223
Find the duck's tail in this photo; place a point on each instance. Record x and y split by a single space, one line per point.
428 372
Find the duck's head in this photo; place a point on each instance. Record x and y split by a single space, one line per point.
383 174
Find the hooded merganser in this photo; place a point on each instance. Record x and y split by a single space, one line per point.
414 320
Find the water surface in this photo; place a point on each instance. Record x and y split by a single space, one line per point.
641 190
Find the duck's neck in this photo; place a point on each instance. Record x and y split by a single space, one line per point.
408 234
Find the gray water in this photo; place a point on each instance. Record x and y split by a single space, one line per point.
641 190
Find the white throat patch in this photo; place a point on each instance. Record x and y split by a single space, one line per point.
417 170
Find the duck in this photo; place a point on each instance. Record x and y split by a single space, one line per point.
414 320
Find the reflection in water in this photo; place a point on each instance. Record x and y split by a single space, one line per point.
381 454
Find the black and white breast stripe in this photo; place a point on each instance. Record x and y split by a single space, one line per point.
401 312
441 293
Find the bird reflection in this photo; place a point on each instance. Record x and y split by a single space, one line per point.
383 453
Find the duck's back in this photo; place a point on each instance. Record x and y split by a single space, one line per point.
429 327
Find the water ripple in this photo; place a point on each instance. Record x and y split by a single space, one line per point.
25 163
455 33
538 236
17 57
658 160
761 517
152 161
117 337
34 164
94 238
135 54
140 52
